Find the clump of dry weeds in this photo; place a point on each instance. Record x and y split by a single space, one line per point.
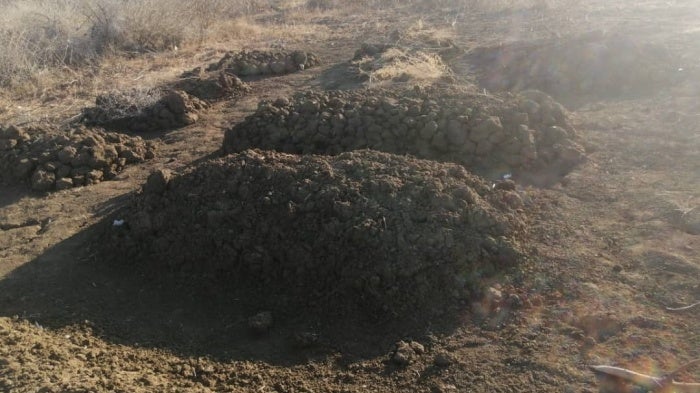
39 37
401 65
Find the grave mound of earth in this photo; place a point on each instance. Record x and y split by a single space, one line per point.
579 70
367 232
490 135
144 110
255 63
211 85
48 159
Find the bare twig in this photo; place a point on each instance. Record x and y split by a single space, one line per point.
683 308
665 384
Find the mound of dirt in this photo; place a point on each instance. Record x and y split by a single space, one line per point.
510 134
211 85
377 233
254 63
577 70
368 49
144 110
49 160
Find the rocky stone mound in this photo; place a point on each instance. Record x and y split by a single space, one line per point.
141 110
578 69
49 159
254 63
510 134
373 232
212 85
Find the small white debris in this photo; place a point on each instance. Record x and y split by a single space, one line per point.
118 223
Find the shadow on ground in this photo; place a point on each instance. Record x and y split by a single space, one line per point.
578 70
68 285
12 194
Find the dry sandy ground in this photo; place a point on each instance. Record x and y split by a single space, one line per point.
612 249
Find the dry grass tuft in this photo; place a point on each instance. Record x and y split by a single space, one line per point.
400 65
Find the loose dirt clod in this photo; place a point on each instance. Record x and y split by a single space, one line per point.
144 110
529 132
255 63
48 159
214 85
370 232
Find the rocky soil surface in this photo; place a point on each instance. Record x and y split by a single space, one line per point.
47 159
363 233
530 132
286 261
263 63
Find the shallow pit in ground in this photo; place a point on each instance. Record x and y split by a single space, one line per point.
577 70
528 135
49 159
361 233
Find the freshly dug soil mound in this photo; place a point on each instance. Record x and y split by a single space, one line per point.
367 231
144 110
577 70
254 63
48 159
211 85
528 132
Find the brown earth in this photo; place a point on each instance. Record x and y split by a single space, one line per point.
608 247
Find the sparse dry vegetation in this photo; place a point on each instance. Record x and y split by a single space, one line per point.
396 64
41 37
